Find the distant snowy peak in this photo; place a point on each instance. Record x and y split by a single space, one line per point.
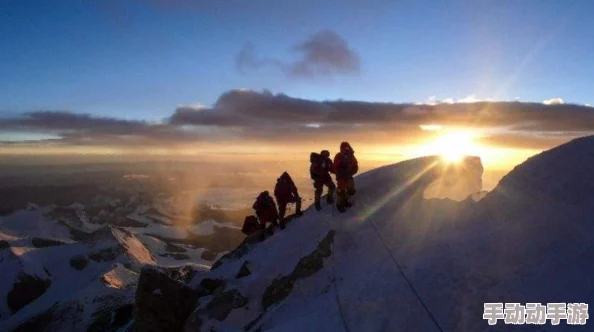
207 227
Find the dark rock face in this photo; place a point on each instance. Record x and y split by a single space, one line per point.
211 284
244 271
105 255
242 249
175 249
221 306
79 262
183 274
278 290
42 243
218 308
281 287
123 315
26 290
162 304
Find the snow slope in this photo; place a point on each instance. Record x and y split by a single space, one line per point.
400 262
370 287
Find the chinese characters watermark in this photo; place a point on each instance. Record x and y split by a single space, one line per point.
536 313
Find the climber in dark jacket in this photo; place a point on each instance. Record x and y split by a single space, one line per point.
286 192
266 210
321 166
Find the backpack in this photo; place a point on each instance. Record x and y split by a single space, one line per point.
314 159
250 225
262 202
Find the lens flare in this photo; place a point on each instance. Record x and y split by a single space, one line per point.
452 146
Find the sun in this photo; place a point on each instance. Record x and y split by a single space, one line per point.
452 146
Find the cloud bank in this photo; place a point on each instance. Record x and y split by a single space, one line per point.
246 116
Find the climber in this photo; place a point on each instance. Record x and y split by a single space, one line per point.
345 166
320 168
266 211
286 192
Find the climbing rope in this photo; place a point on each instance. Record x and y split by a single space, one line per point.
336 294
402 272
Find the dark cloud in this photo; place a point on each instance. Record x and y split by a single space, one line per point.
252 117
246 108
85 129
260 116
324 54
62 120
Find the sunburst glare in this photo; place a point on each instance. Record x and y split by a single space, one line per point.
452 146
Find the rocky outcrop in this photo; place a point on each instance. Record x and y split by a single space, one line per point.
222 305
162 303
42 243
26 289
281 287
244 271
243 248
183 274
218 309
278 290
79 262
107 254
211 285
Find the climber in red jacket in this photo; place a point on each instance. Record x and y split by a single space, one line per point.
321 166
286 192
345 166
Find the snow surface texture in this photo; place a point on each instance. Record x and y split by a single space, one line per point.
530 240
370 287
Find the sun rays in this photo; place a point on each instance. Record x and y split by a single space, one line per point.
452 146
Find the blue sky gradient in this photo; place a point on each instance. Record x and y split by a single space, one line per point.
141 59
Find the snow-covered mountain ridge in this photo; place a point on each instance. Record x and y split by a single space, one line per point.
67 268
398 261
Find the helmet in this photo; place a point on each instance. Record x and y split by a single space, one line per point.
345 146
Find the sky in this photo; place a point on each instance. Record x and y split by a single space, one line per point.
162 76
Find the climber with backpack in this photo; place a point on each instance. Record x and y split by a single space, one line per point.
266 211
286 192
321 166
345 166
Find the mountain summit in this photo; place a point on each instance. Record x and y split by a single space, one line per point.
398 261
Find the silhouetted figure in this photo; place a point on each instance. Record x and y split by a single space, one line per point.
321 166
345 166
266 211
250 225
286 192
